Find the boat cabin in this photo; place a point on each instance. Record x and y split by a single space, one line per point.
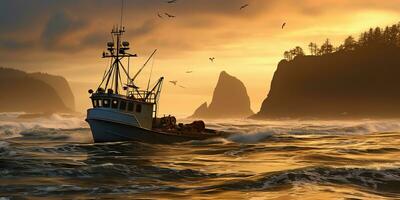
144 111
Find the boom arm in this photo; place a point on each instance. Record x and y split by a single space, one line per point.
157 87
144 65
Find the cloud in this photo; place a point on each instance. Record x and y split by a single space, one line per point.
16 45
59 26
67 25
94 40
11 44
145 28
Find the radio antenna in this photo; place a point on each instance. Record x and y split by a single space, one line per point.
122 12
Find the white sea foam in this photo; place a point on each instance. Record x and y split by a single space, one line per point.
251 131
5 149
245 131
12 126
250 137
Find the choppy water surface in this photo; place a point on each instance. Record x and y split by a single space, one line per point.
54 157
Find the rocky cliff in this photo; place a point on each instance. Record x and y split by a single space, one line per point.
23 92
347 84
60 85
230 100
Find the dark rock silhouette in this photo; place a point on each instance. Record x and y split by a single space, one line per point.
23 92
344 84
60 84
201 111
230 100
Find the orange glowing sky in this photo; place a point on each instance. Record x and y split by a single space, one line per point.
67 37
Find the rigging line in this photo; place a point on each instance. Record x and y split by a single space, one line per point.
112 80
116 77
120 79
127 74
151 72
107 75
105 71
127 78
138 93
129 61
144 65
111 76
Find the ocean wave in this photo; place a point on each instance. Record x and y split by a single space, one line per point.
12 126
10 115
5 149
56 126
70 191
308 127
97 168
369 150
380 181
250 131
251 137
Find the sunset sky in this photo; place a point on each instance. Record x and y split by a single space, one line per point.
67 37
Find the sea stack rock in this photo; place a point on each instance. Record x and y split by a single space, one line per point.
230 100
201 111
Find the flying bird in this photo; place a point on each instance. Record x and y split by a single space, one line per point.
244 6
169 15
172 1
175 83
212 59
283 25
159 15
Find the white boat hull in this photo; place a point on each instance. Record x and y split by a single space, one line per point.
110 126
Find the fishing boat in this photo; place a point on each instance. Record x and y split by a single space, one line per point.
123 111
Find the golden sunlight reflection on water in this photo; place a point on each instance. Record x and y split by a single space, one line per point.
262 160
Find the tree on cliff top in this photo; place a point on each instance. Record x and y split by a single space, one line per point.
326 48
297 51
389 36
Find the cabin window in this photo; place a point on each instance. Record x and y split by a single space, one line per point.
122 105
106 103
130 107
99 103
114 104
138 108
94 102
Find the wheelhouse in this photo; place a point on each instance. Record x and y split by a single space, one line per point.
120 103
118 91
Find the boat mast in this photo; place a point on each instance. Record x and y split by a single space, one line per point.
118 33
116 52
121 30
112 80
